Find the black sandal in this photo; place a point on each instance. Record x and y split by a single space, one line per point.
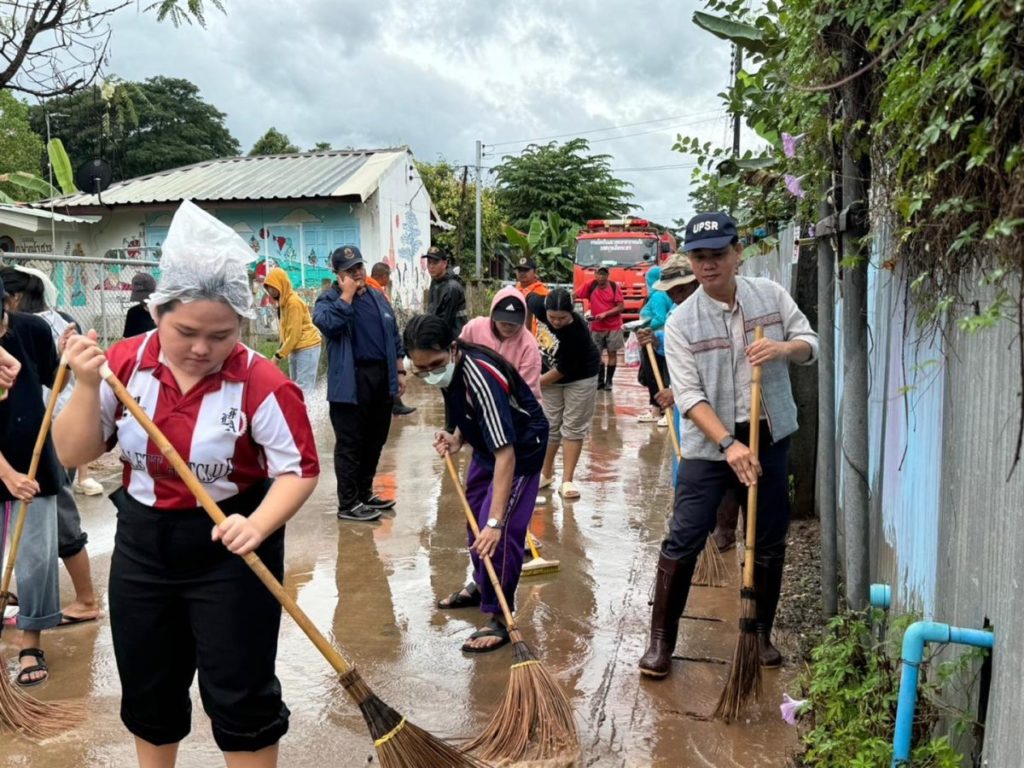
458 600
494 629
40 666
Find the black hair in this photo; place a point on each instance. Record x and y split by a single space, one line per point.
15 281
430 332
559 300
33 298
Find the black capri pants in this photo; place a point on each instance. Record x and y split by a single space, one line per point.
700 485
181 602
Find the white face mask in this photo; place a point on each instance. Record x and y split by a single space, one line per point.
443 377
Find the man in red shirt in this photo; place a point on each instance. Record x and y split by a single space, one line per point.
606 307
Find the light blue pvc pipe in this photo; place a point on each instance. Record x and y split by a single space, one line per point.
880 596
914 640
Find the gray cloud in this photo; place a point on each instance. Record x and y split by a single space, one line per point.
438 75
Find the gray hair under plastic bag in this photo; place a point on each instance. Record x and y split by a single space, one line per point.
203 259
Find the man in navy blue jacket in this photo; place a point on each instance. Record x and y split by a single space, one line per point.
364 376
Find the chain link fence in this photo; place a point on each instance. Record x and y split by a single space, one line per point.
96 292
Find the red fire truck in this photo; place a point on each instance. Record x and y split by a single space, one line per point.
628 248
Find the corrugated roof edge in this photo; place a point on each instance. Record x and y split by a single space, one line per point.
88 200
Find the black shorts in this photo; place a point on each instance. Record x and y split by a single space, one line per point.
179 603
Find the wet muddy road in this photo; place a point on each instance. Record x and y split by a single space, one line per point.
373 588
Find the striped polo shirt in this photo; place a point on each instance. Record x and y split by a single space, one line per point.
237 427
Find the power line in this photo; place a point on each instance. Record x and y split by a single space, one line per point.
601 130
655 168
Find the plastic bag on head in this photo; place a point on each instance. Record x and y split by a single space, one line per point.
203 259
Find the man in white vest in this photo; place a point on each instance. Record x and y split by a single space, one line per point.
710 348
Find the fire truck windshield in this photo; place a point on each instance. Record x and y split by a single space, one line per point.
616 252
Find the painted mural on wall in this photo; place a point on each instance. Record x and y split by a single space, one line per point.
409 277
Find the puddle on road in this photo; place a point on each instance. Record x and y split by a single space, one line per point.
373 588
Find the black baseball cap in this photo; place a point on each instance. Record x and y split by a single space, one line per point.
436 253
511 309
525 263
601 271
345 257
709 230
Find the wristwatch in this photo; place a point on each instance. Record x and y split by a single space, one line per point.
496 523
725 442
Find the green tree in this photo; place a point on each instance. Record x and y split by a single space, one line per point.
35 31
455 205
139 128
21 148
273 142
550 240
563 178
321 146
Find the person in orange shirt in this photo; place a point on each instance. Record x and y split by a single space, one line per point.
380 279
533 290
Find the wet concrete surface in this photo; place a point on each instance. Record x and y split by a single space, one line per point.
373 588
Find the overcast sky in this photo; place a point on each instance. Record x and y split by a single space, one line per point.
440 74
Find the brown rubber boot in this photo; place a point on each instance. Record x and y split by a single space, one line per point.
768 581
672 585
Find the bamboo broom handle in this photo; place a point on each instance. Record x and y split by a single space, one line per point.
670 416
33 468
471 519
333 656
755 442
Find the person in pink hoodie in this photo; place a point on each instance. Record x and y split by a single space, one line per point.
504 331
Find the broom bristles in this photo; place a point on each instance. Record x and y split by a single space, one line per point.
534 721
710 570
34 719
745 675
399 743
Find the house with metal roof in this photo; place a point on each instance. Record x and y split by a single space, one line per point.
293 210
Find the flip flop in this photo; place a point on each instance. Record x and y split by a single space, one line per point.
458 600
494 628
546 482
569 491
66 620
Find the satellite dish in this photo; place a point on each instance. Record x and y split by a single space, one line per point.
93 176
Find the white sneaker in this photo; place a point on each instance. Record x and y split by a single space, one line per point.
89 487
645 418
663 421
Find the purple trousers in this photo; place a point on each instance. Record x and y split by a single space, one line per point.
508 557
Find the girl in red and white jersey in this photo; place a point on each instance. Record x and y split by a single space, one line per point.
180 598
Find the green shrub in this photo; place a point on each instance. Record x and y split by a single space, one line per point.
852 687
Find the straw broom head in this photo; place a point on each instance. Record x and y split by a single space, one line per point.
710 570
35 720
534 722
745 675
399 743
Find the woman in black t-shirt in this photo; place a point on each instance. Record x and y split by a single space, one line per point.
569 386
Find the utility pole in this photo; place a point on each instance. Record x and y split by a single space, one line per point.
479 209
49 166
737 64
856 174
826 469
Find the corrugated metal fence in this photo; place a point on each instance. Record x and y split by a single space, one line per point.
947 514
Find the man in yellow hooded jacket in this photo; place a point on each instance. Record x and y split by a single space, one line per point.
300 340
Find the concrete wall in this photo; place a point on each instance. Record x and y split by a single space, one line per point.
400 210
